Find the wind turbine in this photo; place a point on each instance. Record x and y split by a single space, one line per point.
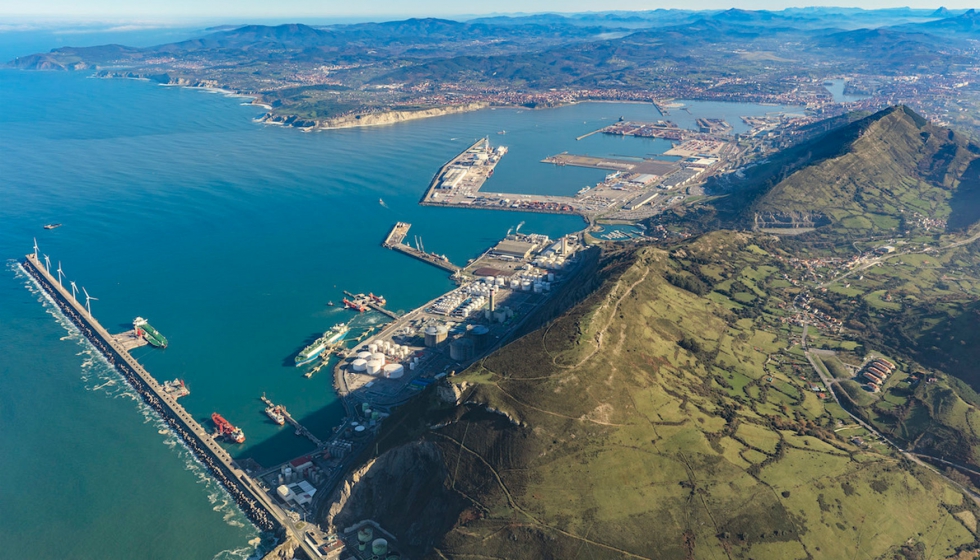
35 248
60 274
74 289
47 261
88 301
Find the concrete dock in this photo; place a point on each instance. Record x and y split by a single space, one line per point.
395 239
252 500
300 429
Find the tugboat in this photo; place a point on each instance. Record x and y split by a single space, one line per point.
225 429
275 412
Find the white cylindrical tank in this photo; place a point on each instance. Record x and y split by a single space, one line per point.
364 355
394 371
359 364
378 356
374 367
379 547
373 347
411 366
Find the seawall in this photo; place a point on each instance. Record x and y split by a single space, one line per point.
193 435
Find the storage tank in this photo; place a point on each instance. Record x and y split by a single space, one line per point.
378 357
364 536
435 335
365 355
481 336
394 371
374 367
359 364
360 431
373 347
526 285
461 349
379 547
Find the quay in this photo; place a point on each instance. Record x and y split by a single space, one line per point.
394 241
246 492
368 302
440 175
300 429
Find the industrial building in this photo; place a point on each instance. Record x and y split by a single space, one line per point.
514 248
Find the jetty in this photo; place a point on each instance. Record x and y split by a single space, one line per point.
300 429
395 241
248 495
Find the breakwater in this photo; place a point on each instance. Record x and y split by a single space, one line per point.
236 482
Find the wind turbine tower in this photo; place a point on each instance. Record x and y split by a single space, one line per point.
47 263
74 290
35 248
60 274
88 301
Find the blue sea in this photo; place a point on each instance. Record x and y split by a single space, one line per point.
230 237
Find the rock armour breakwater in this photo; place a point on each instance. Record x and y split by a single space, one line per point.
178 420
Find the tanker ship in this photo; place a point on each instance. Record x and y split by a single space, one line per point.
226 429
148 333
331 337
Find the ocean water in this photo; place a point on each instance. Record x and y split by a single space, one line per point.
230 237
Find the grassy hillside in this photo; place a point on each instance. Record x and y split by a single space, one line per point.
882 173
669 415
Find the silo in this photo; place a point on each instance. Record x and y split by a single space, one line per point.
461 349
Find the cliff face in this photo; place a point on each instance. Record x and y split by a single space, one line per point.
407 491
391 117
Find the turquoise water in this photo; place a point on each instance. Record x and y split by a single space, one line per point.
230 237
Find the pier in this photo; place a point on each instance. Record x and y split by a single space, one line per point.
248 495
300 429
394 241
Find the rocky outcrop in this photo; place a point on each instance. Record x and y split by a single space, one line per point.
405 490
284 551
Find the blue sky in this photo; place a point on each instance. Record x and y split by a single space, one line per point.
184 9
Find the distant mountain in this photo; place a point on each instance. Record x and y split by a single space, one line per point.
868 175
967 23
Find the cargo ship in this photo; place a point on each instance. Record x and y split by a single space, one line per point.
333 336
226 430
380 300
275 412
356 306
146 331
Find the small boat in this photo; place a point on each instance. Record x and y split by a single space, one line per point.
382 202
330 303
52 226
502 132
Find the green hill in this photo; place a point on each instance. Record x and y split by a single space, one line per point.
877 174
668 415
